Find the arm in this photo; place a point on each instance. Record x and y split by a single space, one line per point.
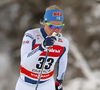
61 65
27 52
28 55
61 68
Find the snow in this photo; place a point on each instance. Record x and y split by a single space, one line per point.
92 78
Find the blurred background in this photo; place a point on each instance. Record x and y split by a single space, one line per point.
82 19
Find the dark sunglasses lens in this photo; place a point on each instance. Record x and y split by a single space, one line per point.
52 26
59 27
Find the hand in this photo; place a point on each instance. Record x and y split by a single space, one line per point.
58 85
49 41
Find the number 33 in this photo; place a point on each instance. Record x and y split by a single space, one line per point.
49 60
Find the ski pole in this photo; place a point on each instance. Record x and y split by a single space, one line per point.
54 34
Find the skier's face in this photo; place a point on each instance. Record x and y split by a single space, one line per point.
49 30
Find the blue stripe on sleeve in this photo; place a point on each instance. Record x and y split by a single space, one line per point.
32 52
59 62
33 43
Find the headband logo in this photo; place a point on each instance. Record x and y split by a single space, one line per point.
57 14
58 18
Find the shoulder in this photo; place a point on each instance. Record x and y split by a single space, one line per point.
31 33
64 42
63 39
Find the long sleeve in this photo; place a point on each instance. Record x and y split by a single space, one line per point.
28 54
62 63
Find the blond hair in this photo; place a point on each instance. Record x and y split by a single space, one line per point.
53 7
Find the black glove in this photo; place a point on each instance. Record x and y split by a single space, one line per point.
49 41
58 84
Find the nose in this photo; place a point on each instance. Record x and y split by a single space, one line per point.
56 29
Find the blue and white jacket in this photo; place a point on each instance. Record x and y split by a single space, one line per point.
32 57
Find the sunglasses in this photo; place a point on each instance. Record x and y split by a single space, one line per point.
53 26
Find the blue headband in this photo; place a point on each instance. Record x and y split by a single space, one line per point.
53 15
